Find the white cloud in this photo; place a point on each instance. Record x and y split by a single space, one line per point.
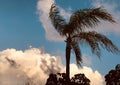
43 7
24 66
95 77
111 7
33 65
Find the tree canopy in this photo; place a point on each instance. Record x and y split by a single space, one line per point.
113 77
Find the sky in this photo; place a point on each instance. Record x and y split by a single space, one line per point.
28 37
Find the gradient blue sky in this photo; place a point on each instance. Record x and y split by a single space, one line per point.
20 28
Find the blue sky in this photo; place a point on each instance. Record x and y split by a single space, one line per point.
21 26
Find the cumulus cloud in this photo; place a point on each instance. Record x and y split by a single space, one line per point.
95 77
21 67
33 66
112 8
43 7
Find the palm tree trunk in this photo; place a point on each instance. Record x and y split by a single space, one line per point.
68 52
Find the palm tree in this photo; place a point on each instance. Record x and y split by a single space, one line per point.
74 32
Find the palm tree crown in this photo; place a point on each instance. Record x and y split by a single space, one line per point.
74 31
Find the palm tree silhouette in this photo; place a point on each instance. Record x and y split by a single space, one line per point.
75 31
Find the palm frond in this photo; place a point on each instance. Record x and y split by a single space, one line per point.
57 20
89 18
77 51
95 40
106 43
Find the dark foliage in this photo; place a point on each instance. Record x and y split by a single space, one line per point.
113 77
80 79
61 79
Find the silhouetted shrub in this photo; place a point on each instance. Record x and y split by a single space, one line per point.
61 79
80 79
113 77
